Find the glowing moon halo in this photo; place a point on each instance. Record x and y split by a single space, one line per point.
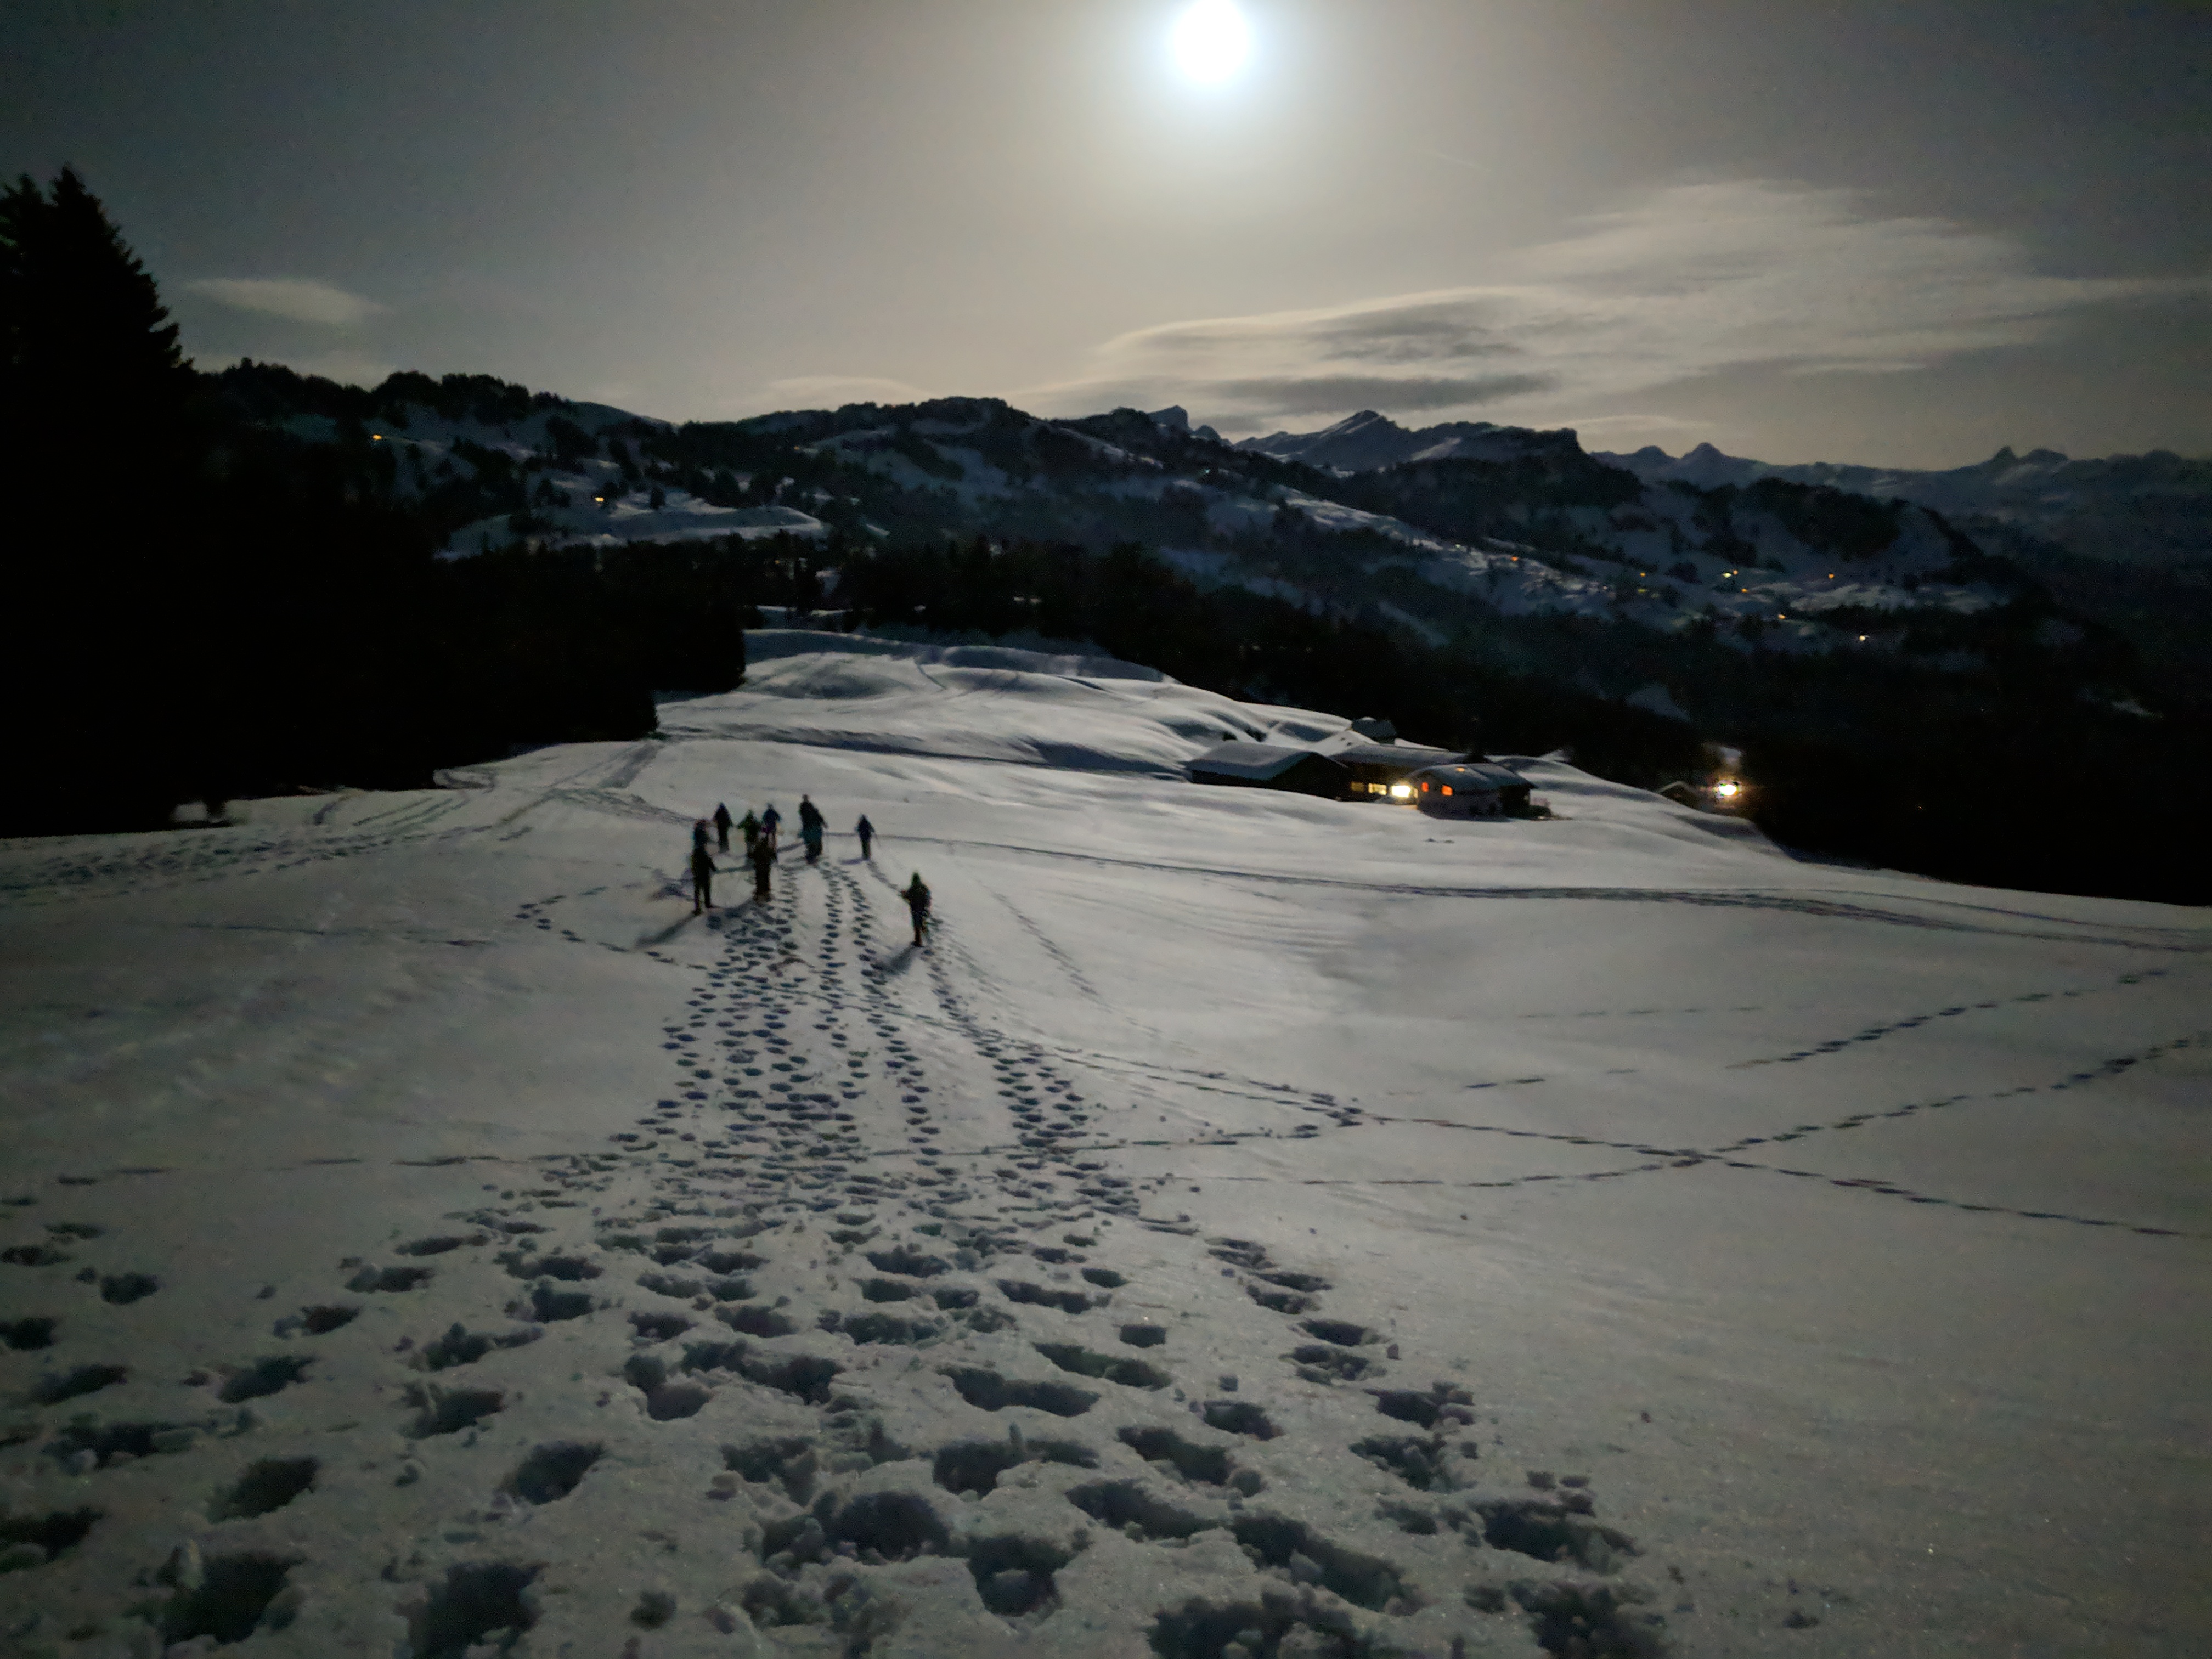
1211 40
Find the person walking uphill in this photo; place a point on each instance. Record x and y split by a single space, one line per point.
722 821
769 821
761 855
810 827
702 878
917 903
866 832
751 825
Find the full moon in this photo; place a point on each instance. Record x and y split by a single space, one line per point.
1211 40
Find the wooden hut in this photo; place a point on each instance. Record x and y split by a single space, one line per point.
1384 771
1269 766
1471 789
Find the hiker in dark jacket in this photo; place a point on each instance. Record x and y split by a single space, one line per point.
763 855
917 903
769 821
866 832
698 835
808 813
702 879
751 825
722 821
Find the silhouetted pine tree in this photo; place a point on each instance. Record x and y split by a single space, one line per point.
96 395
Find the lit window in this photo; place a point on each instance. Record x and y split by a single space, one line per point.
1448 789
1401 792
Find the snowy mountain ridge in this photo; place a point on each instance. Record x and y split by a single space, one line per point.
1553 534
2153 508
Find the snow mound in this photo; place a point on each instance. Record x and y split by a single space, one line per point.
978 702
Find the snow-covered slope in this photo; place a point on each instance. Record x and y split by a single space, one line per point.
2153 509
574 500
1250 1213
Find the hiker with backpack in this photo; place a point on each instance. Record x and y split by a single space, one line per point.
703 876
917 903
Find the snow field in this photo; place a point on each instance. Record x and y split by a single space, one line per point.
1254 1224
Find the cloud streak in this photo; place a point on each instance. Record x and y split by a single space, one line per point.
296 299
1694 281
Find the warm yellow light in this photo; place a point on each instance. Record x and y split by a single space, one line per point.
1401 790
1724 790
376 437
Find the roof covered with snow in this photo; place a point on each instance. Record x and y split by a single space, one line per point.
1257 761
1476 775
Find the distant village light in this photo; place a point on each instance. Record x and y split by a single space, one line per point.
1725 791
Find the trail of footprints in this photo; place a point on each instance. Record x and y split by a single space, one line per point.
903 1386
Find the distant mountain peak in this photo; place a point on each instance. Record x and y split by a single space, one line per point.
1369 439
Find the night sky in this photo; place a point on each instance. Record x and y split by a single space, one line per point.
1883 233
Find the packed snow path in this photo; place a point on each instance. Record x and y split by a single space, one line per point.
1251 1226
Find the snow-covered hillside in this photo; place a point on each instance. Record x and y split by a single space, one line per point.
1659 557
1553 538
574 500
2153 509
1254 1225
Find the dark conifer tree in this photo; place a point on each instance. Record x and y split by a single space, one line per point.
90 373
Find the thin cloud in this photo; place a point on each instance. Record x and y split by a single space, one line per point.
1695 280
295 299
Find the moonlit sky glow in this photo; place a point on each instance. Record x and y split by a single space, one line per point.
1211 40
1855 231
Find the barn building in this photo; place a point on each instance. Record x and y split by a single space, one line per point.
1270 766
1471 789
1385 770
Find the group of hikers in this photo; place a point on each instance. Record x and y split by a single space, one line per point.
761 836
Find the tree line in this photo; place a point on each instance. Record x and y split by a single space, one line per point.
208 608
